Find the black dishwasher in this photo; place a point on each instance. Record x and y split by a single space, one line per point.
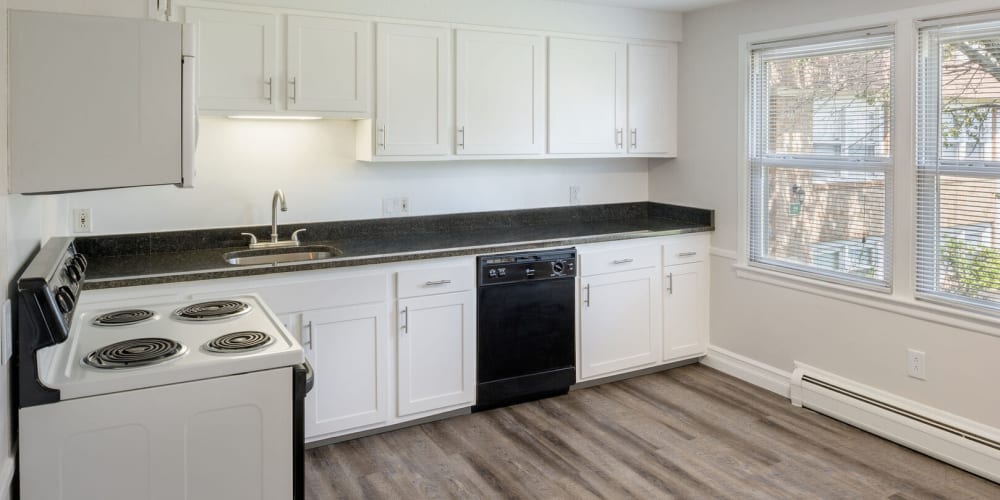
526 326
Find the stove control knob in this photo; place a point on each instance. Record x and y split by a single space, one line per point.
65 299
73 273
80 261
529 272
493 273
558 267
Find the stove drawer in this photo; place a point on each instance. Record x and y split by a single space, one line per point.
432 281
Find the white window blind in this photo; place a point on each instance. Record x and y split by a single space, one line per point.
958 163
820 157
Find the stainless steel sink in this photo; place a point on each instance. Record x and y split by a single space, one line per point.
278 255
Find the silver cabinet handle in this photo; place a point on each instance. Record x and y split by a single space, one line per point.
381 137
618 138
294 92
586 300
435 283
307 340
268 83
461 140
295 234
253 239
687 254
670 286
404 323
623 261
633 134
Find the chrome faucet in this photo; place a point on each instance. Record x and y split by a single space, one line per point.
279 196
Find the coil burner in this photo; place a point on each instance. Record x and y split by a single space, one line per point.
213 310
134 353
124 317
239 342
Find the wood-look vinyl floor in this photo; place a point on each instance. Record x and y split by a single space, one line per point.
690 432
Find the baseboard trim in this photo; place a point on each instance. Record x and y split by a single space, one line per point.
961 442
749 370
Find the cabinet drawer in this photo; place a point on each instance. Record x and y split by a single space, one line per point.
618 259
684 250
432 281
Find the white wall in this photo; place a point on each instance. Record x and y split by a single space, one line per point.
240 163
775 325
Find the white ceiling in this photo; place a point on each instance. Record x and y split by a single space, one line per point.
668 5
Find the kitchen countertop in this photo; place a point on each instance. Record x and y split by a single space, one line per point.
167 257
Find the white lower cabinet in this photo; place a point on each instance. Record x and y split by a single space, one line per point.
619 321
347 348
436 352
685 310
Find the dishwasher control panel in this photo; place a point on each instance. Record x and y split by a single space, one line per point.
527 266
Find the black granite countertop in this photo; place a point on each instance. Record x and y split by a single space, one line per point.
166 257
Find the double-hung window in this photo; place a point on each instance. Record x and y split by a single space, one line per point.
958 162
820 156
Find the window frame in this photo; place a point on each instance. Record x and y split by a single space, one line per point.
753 225
927 228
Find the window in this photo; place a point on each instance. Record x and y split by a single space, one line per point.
958 163
820 156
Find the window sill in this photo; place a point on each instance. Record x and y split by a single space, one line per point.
906 306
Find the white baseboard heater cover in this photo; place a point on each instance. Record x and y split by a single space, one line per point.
961 442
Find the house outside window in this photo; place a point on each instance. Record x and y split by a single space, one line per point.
958 163
820 159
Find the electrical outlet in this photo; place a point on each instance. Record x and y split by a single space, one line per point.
395 205
82 220
916 364
574 195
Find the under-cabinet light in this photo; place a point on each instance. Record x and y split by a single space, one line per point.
273 117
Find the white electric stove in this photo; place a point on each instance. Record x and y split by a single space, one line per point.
153 401
113 349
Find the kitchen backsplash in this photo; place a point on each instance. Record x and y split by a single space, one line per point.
241 163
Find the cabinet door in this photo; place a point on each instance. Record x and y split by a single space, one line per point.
436 343
652 99
347 348
619 321
587 98
411 90
500 101
235 59
85 83
328 64
685 310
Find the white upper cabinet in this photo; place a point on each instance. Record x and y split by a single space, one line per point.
95 102
412 68
324 69
500 93
587 96
652 100
328 64
236 59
